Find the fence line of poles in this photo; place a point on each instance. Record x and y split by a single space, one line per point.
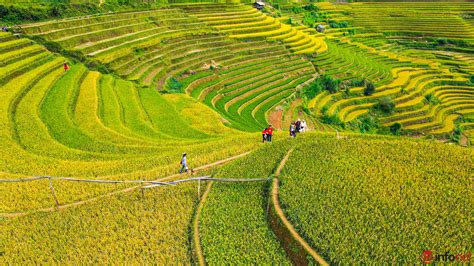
149 184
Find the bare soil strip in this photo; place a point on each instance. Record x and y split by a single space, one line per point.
196 237
295 246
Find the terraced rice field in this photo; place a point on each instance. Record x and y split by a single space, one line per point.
81 147
83 123
401 69
200 45
369 206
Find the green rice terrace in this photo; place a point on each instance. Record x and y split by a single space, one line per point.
131 132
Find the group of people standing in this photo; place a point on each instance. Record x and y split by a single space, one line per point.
297 127
267 134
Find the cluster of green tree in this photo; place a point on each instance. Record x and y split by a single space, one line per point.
74 56
368 123
22 12
338 24
438 44
173 86
333 85
324 82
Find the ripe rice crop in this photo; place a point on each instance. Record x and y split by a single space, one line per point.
379 201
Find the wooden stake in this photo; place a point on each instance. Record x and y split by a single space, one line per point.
199 188
52 192
269 196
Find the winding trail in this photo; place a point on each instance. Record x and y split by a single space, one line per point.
196 237
285 231
65 206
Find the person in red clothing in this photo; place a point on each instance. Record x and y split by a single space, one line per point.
264 135
66 66
269 133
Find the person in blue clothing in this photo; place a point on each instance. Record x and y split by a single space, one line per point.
184 166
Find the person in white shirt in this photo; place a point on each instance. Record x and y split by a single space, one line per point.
303 126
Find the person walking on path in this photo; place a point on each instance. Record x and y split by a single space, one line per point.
292 130
264 135
66 67
184 166
269 133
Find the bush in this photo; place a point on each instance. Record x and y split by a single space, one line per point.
369 88
355 82
297 9
325 82
431 98
471 79
312 90
332 119
455 136
330 84
442 41
396 129
311 7
385 105
174 85
367 124
340 24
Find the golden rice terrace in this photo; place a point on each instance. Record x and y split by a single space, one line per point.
236 132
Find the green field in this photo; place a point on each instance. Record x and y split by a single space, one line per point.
90 155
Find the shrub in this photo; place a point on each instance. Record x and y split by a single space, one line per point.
355 82
396 129
442 41
174 85
385 105
471 79
325 82
311 7
369 88
431 98
367 124
330 84
455 136
312 90
297 9
340 24
332 119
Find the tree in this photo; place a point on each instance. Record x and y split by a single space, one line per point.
369 88
329 84
311 7
396 129
385 105
174 85
432 99
367 124
313 89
